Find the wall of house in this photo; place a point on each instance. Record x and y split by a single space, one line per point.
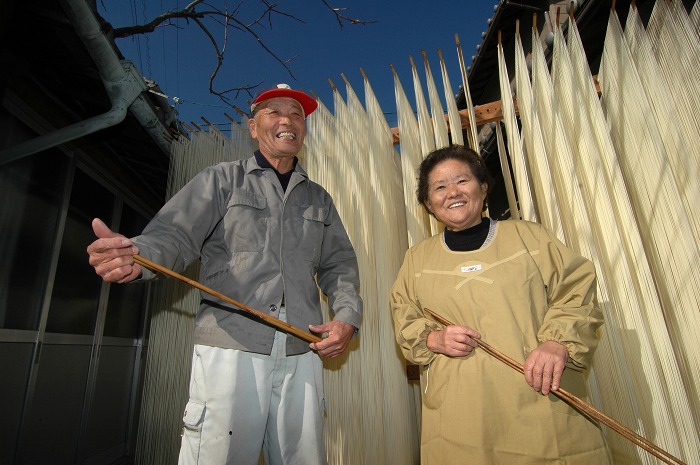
71 347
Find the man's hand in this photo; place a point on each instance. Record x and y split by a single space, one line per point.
544 366
112 255
339 335
453 341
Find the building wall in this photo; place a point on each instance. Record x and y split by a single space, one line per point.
71 346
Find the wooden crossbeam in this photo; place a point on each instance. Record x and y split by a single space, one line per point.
484 114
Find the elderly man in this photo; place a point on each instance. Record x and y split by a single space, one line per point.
268 236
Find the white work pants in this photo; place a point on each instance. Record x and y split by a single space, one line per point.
241 403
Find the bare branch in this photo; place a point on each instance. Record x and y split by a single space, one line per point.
343 18
226 19
151 26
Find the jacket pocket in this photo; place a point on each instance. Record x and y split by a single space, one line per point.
312 232
313 213
246 221
573 382
435 382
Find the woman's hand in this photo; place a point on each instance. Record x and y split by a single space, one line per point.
544 366
453 341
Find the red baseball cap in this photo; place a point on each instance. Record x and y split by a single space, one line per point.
307 102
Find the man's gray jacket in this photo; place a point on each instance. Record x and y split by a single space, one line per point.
257 244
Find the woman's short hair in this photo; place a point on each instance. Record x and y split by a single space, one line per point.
454 152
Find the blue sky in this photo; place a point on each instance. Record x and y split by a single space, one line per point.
180 58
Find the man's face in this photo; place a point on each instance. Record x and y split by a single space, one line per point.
279 127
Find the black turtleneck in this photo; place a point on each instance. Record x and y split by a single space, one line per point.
468 239
283 177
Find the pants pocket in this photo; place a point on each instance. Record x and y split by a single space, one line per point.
194 415
192 432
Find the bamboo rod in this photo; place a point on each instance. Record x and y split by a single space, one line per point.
301 334
577 403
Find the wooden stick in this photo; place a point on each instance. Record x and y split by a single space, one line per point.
286 327
577 402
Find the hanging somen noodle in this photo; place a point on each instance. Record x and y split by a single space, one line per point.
527 209
453 117
538 168
646 368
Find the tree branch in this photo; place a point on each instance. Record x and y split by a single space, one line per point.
230 19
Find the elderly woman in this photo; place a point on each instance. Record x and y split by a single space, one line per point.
530 297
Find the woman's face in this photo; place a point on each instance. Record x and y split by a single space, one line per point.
455 196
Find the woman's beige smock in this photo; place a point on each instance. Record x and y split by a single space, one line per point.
521 288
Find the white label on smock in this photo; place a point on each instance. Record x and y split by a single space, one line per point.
469 269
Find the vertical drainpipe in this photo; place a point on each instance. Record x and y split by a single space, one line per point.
122 81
